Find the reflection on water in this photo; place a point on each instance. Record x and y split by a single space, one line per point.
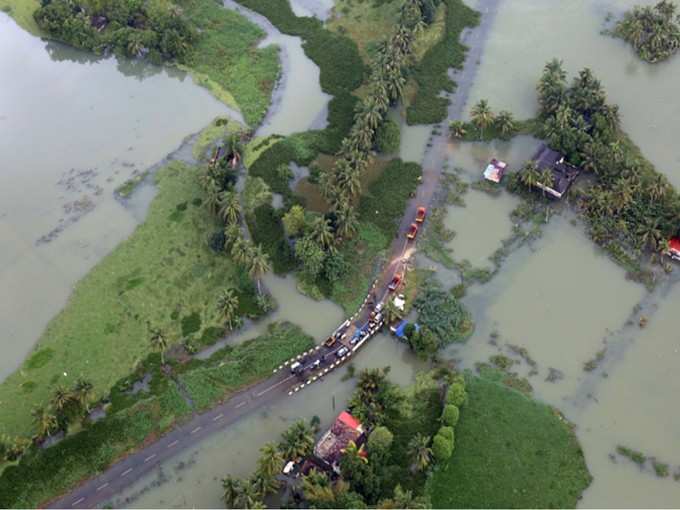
192 479
528 33
72 128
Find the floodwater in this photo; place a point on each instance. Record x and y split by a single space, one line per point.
192 478
73 128
298 103
528 33
317 318
317 8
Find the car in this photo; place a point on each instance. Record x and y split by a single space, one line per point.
330 341
420 214
296 368
316 364
341 352
396 280
412 231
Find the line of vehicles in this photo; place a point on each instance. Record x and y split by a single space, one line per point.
375 320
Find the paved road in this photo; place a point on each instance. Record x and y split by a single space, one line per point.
282 383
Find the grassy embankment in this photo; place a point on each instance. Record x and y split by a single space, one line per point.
164 276
22 12
430 75
511 452
133 419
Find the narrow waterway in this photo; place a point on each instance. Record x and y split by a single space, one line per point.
72 129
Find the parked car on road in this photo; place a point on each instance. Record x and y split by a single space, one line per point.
420 214
396 280
330 341
341 352
412 231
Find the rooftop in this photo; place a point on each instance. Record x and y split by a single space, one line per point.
564 174
345 429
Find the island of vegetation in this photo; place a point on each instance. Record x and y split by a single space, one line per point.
653 31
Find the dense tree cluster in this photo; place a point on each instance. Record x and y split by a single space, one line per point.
440 313
129 27
386 84
654 31
630 205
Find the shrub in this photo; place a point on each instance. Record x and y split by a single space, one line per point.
379 440
266 228
446 432
450 415
388 137
442 448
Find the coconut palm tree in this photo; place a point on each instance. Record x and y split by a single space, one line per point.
232 232
420 452
317 487
231 489
530 175
229 208
297 442
82 391
322 232
227 306
258 265
482 116
546 178
457 129
159 342
505 123
358 453
45 422
269 465
61 399
347 221
212 195
242 251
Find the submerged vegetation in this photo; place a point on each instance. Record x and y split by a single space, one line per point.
653 31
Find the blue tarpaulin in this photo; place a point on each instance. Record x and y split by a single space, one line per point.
402 326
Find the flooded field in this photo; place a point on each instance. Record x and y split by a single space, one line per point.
66 146
528 33
193 478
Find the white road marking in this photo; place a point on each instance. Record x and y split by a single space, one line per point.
218 417
196 430
149 458
102 486
290 393
173 443
126 472
78 501
274 386
241 404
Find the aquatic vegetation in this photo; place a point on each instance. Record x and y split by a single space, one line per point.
505 440
653 31
430 75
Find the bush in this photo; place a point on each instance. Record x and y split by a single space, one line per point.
442 448
442 313
456 395
266 228
379 440
446 432
388 137
450 415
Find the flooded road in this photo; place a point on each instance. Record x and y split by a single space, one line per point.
72 129
193 478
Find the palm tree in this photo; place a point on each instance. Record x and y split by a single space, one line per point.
530 175
212 195
232 232
457 129
242 250
482 116
45 422
402 499
650 234
231 488
546 178
61 398
159 343
297 442
420 452
317 487
505 123
391 312
322 232
230 208
258 265
83 393
269 465
358 453
347 221
227 306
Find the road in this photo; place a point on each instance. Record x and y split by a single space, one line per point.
283 384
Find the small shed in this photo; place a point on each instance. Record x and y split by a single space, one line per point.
564 174
495 170
332 444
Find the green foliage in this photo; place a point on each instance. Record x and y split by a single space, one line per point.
267 230
431 74
294 221
442 313
442 448
388 196
456 394
511 452
311 257
653 31
379 441
450 415
388 137
636 456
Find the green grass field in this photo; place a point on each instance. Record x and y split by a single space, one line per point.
22 12
511 452
162 274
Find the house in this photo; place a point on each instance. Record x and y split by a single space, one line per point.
674 248
330 447
564 174
495 170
